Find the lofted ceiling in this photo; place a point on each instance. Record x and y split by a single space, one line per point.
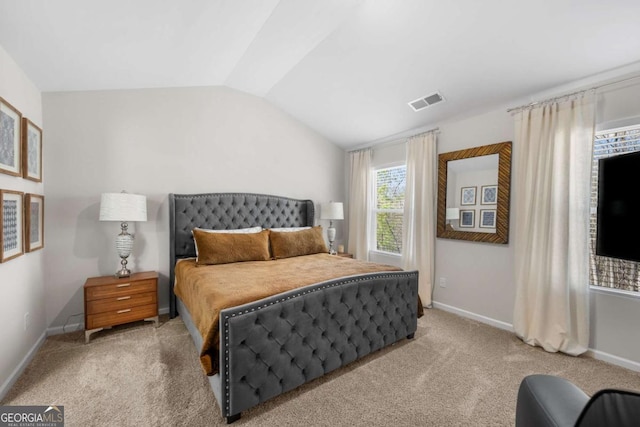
346 68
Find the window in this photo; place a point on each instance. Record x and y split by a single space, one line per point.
611 272
389 209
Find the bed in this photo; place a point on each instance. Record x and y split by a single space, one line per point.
328 324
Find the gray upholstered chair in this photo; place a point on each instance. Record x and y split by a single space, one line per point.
545 400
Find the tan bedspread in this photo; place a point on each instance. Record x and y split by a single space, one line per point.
206 290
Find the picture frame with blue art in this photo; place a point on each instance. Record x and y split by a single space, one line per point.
467 196
488 218
31 151
489 195
33 222
467 218
11 225
10 139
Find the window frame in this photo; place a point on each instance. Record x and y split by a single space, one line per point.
373 236
596 281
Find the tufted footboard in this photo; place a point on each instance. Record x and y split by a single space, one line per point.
276 344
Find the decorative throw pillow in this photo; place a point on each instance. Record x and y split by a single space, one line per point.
223 248
296 243
232 231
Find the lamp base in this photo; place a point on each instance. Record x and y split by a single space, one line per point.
124 272
331 236
124 246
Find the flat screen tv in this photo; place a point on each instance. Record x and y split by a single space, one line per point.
618 229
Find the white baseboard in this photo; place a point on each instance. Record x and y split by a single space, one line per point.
21 366
469 315
72 327
595 354
614 360
57 330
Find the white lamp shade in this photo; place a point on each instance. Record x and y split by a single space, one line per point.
123 207
453 213
331 210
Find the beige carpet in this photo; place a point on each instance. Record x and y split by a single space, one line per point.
456 372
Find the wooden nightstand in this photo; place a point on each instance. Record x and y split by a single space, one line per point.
110 301
344 254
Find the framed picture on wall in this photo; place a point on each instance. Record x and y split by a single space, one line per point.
468 196
11 234
489 195
10 126
467 218
487 218
31 151
33 222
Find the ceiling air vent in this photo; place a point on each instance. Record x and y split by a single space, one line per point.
426 101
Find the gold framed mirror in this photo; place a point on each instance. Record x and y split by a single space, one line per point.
473 193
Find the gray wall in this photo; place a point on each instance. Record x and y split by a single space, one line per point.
479 276
155 142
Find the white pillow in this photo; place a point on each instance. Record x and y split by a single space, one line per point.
288 229
233 230
249 230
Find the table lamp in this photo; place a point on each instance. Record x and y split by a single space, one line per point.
331 211
123 207
451 214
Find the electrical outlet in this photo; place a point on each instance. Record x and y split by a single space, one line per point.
443 282
27 321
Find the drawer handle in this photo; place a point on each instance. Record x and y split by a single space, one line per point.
123 298
123 285
124 311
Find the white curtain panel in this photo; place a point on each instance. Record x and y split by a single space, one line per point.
419 222
554 145
360 188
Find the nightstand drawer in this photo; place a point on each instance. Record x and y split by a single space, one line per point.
125 315
121 289
121 302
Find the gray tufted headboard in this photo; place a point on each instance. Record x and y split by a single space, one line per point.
225 211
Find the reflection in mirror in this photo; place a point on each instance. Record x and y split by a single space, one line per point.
473 193
471 183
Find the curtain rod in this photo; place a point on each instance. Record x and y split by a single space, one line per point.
555 98
397 140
